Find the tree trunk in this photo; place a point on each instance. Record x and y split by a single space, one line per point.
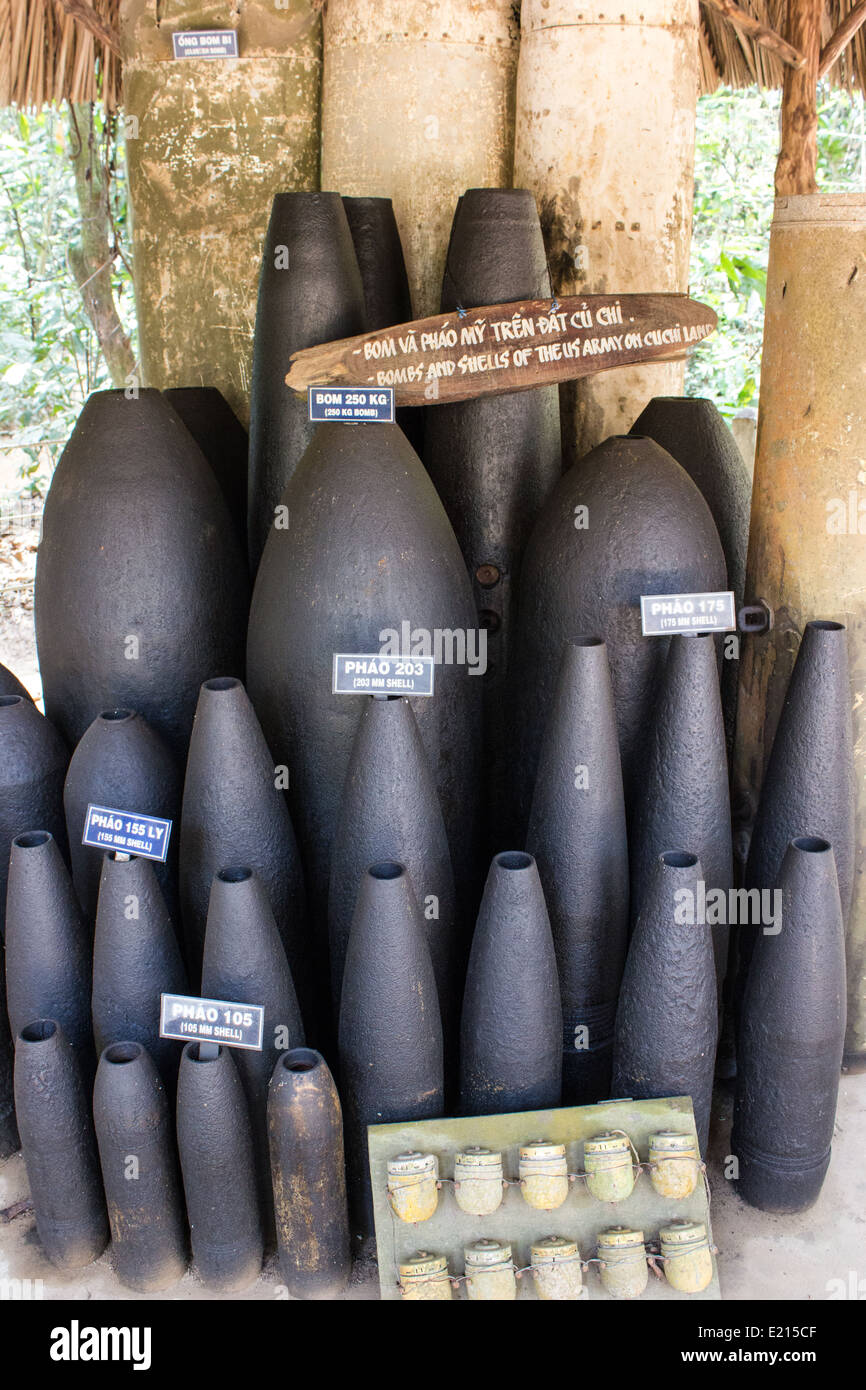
91 257
798 156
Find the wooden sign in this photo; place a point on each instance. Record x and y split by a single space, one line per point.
507 347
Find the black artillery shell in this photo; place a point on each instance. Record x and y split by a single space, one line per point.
33 761
368 560
511 1033
589 560
9 1140
141 587
808 787
59 1146
792 1032
667 1019
305 1128
495 460
48 945
390 1045
223 440
310 292
386 284
695 434
124 764
683 797
140 1174
244 963
216 1158
136 958
11 685
390 810
577 834
235 813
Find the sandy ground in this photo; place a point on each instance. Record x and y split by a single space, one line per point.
819 1254
17 568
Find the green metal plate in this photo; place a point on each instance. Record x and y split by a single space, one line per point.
580 1217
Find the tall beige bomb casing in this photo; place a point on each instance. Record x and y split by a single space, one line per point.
605 137
807 538
209 143
418 106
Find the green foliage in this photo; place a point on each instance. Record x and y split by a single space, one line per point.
49 355
735 161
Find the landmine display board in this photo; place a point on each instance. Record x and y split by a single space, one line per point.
579 1218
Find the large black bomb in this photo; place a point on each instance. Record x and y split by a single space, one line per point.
244 963
577 834
369 562
792 1032
223 440
141 587
808 786
215 1146
386 285
140 1174
511 1030
695 434
390 810
11 685
390 1035
305 1128
33 761
136 958
235 813
59 1146
667 1018
623 522
683 796
48 954
310 292
124 764
495 460
9 1140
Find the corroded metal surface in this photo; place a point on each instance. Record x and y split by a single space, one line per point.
616 212
806 550
210 145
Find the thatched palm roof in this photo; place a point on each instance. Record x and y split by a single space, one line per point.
50 50
55 49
